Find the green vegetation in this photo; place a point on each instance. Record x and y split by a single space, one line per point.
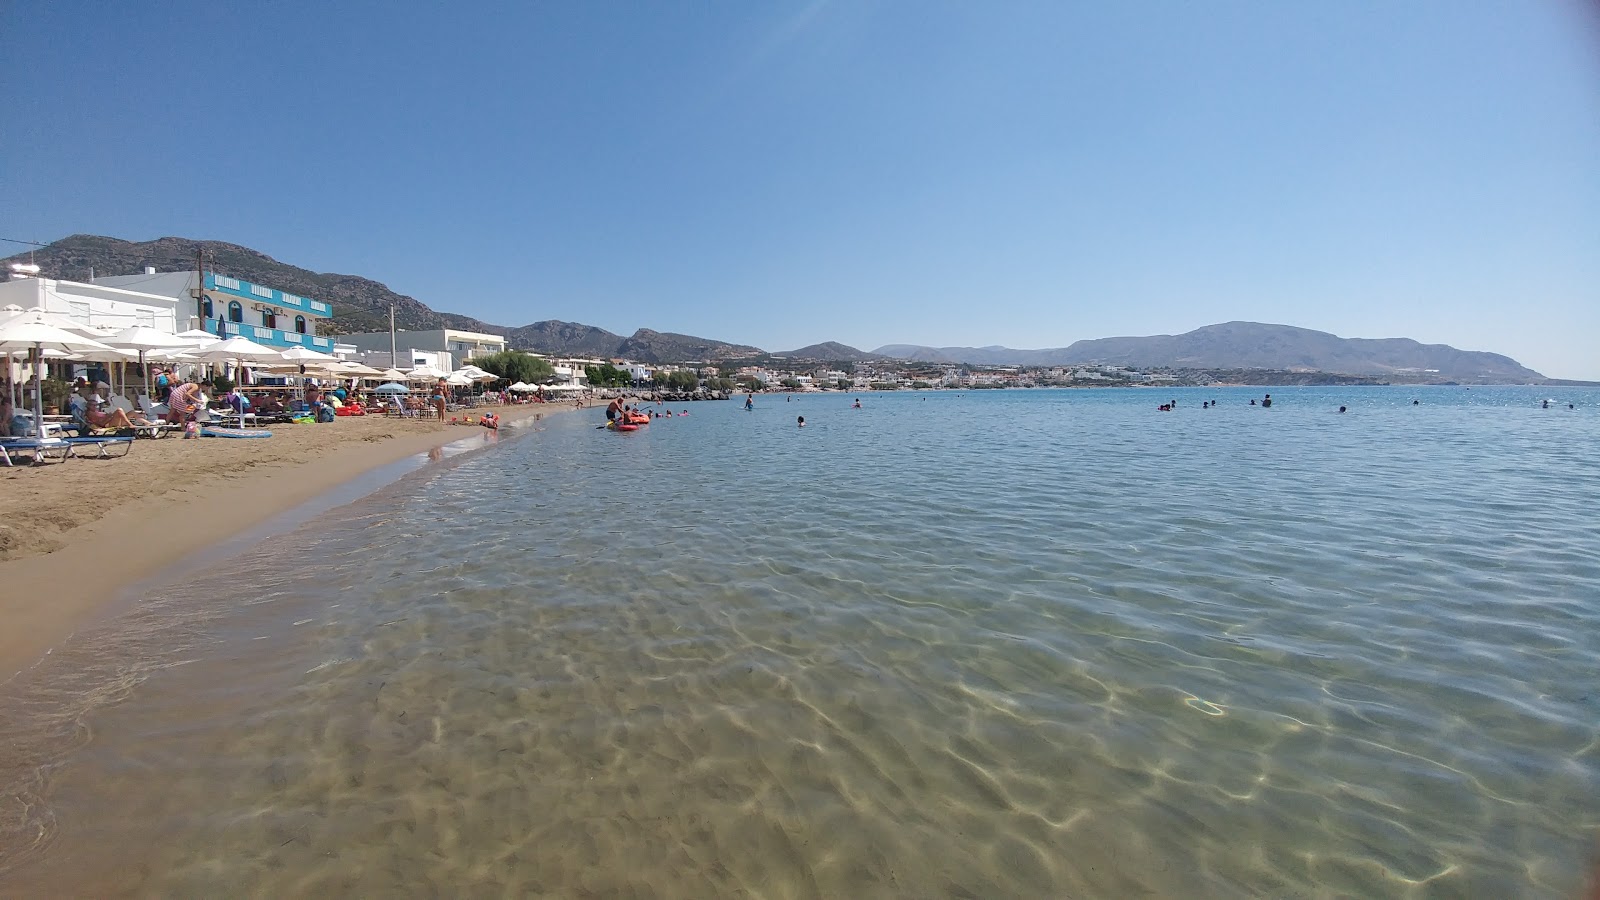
920 385
842 384
792 384
719 383
607 376
515 365
54 392
751 383
683 380
884 386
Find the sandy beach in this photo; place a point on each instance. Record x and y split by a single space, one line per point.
72 534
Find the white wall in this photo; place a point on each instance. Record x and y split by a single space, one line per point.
94 305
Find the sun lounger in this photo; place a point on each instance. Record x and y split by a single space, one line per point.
100 447
151 409
40 450
156 430
224 417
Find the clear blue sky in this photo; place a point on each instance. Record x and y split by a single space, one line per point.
1012 173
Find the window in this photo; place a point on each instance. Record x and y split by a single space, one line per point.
235 311
209 312
299 324
269 319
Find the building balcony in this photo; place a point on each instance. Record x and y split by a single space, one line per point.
272 337
260 294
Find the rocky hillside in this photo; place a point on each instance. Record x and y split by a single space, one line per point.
565 339
359 304
828 351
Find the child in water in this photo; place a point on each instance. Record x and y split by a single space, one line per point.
802 422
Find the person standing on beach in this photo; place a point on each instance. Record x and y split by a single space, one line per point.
438 400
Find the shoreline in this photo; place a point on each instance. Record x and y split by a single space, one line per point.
58 582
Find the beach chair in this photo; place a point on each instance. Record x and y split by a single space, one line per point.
41 451
224 418
151 409
101 446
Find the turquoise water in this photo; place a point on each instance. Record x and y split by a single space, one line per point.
1022 643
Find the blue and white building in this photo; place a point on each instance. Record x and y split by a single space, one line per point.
229 307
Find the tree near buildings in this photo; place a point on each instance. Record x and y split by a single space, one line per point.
607 375
515 365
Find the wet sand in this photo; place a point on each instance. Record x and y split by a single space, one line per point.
73 534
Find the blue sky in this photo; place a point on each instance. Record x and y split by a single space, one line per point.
1014 173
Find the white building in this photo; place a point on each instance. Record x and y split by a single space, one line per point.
232 307
95 305
456 345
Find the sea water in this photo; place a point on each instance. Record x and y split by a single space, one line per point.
985 644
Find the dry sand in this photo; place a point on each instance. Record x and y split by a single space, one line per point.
73 533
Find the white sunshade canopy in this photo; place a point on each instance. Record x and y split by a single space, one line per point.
457 379
239 349
301 354
393 374
35 328
425 373
143 337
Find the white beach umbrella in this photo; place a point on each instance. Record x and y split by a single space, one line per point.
198 336
456 379
304 354
144 338
31 331
425 373
239 350
393 375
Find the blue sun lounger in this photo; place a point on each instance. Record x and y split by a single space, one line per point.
102 446
41 450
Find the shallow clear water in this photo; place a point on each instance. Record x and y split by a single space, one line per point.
1044 643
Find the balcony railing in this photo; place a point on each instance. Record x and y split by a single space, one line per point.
257 293
274 337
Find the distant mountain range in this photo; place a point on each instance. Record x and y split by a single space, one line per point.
361 304
1246 345
832 351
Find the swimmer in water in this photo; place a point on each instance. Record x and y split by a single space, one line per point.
802 422
749 401
857 404
1341 409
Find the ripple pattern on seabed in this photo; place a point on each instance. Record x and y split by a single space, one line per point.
1049 644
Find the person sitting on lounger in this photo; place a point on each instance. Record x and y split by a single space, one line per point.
91 419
